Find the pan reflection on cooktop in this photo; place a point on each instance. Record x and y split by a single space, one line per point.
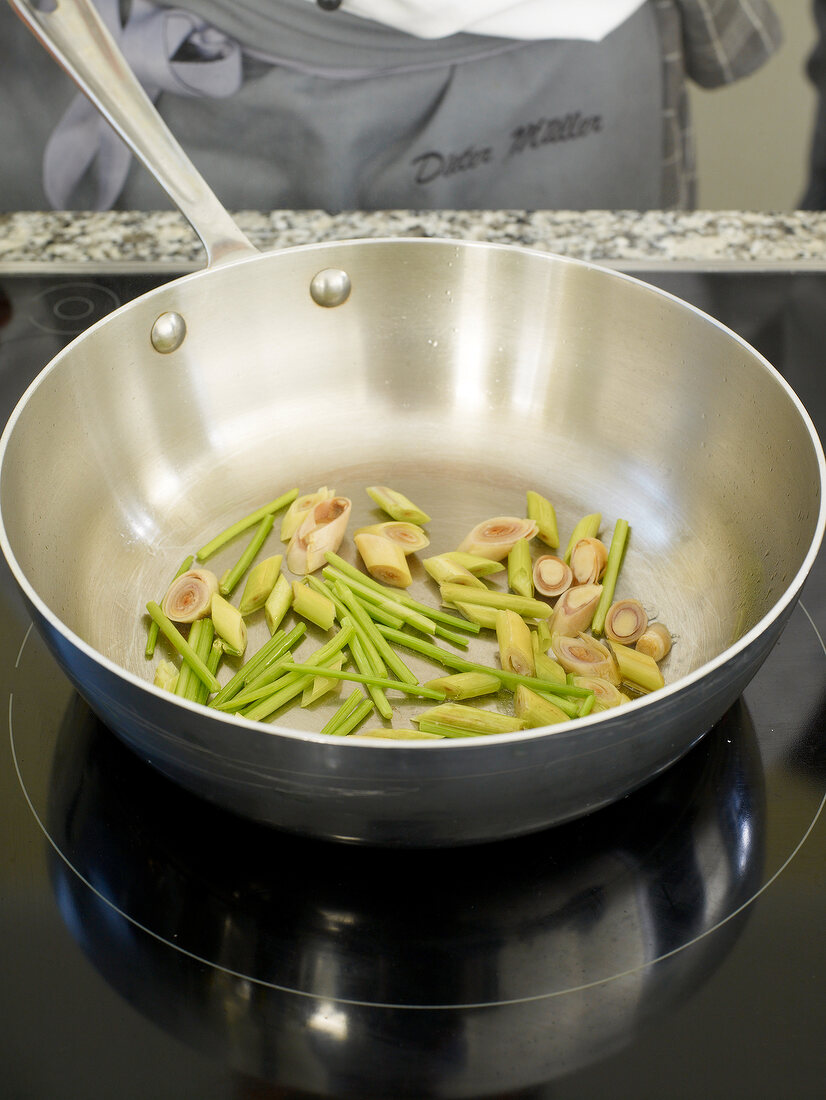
482 970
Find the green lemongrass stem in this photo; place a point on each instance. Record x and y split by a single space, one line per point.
154 629
502 601
238 528
362 618
543 636
479 567
322 685
201 634
364 628
186 674
616 550
232 576
403 598
461 664
587 528
520 569
409 615
269 705
269 652
353 700
175 638
354 719
571 707
397 505
452 636
363 664
586 706
375 681
542 512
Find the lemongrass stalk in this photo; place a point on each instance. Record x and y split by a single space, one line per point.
152 633
407 614
570 707
520 569
368 680
363 663
636 668
401 733
535 710
510 601
587 528
238 528
186 674
542 512
176 639
354 719
166 676
216 654
269 652
514 640
616 550
444 571
542 636
322 685
232 576
546 668
364 629
474 563
482 616
396 504
272 677
361 616
586 706
350 571
229 623
260 583
265 707
451 636
465 685
461 664
278 603
201 634
313 605
353 700
462 716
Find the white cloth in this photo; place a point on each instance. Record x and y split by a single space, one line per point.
590 20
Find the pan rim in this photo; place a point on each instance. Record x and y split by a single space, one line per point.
564 730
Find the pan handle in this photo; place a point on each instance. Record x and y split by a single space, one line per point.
74 33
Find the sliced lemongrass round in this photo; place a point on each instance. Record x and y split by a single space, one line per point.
655 642
551 575
494 538
626 621
190 595
588 560
584 656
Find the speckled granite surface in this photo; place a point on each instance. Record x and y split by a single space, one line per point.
164 237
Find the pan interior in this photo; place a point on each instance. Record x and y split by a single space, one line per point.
461 375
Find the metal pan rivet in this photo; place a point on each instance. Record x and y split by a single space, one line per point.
330 287
168 332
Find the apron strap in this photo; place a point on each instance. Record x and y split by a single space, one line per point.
151 39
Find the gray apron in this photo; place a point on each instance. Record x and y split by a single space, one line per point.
284 106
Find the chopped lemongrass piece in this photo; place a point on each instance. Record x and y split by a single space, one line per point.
396 505
637 669
216 654
384 559
279 644
445 571
400 733
465 685
520 571
535 710
444 729
511 601
478 566
260 583
575 609
189 596
295 514
368 680
571 707
655 642
542 512
587 528
244 524
362 618
166 676
494 538
609 577
174 636
232 576
606 694
542 636
588 560
200 638
625 621
546 668
229 623
152 633
409 536
514 640
313 605
322 685
321 530
482 616
353 700
354 719
368 667
551 575
278 603
585 656
463 717
425 623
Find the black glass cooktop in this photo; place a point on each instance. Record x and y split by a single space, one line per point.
668 946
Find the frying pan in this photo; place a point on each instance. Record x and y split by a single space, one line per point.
462 374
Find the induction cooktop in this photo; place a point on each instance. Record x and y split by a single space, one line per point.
670 945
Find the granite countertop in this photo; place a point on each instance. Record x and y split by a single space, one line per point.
622 238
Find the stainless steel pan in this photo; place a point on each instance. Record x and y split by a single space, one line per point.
461 373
